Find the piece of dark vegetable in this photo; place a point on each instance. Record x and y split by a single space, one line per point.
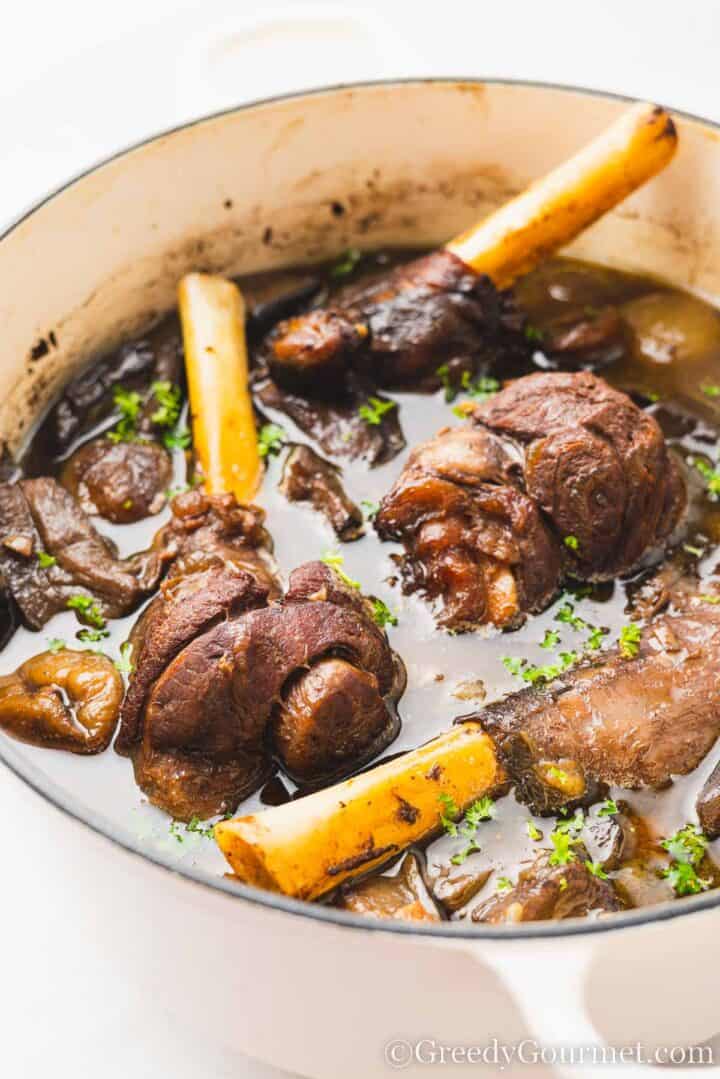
307 477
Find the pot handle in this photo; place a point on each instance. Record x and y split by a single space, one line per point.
554 1008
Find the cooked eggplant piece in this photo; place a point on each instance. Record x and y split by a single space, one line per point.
307 477
62 700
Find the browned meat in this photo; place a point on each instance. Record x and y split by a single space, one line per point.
64 700
307 477
122 482
594 463
708 804
595 339
334 421
218 686
39 518
473 538
400 328
559 472
635 723
218 526
402 896
547 891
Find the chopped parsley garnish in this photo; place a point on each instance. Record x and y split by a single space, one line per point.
480 388
169 402
595 637
687 849
688 844
551 638
195 825
711 390
503 884
533 831
629 640
572 542
124 664
596 869
513 664
449 813
697 552
609 808
563 883
707 598
128 403
459 858
46 560
483 809
179 439
557 773
563 843
336 561
347 263
573 825
371 509
533 333
443 373
92 635
271 439
87 608
566 614
382 614
55 644
709 474
374 410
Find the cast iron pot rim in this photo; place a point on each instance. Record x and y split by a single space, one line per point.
33 776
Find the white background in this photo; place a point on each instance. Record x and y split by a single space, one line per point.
80 79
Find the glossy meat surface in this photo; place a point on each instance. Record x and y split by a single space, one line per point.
308 477
120 481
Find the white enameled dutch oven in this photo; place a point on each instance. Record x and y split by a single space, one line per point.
312 989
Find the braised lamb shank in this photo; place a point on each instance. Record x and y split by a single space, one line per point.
558 475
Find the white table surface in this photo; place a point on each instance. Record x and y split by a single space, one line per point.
78 80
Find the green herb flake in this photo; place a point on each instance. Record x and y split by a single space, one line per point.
370 509
707 598
711 390
382 614
503 884
124 664
533 333
533 831
685 880
55 645
563 883
609 808
709 474
572 542
563 843
629 640
271 439
687 845
566 614
480 388
460 857
595 638
87 608
336 561
46 560
347 263
179 439
128 403
200 827
557 773
596 869
449 813
697 552
91 636
483 809
374 410
169 401
513 664
551 639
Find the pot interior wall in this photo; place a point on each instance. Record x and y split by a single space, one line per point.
299 180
